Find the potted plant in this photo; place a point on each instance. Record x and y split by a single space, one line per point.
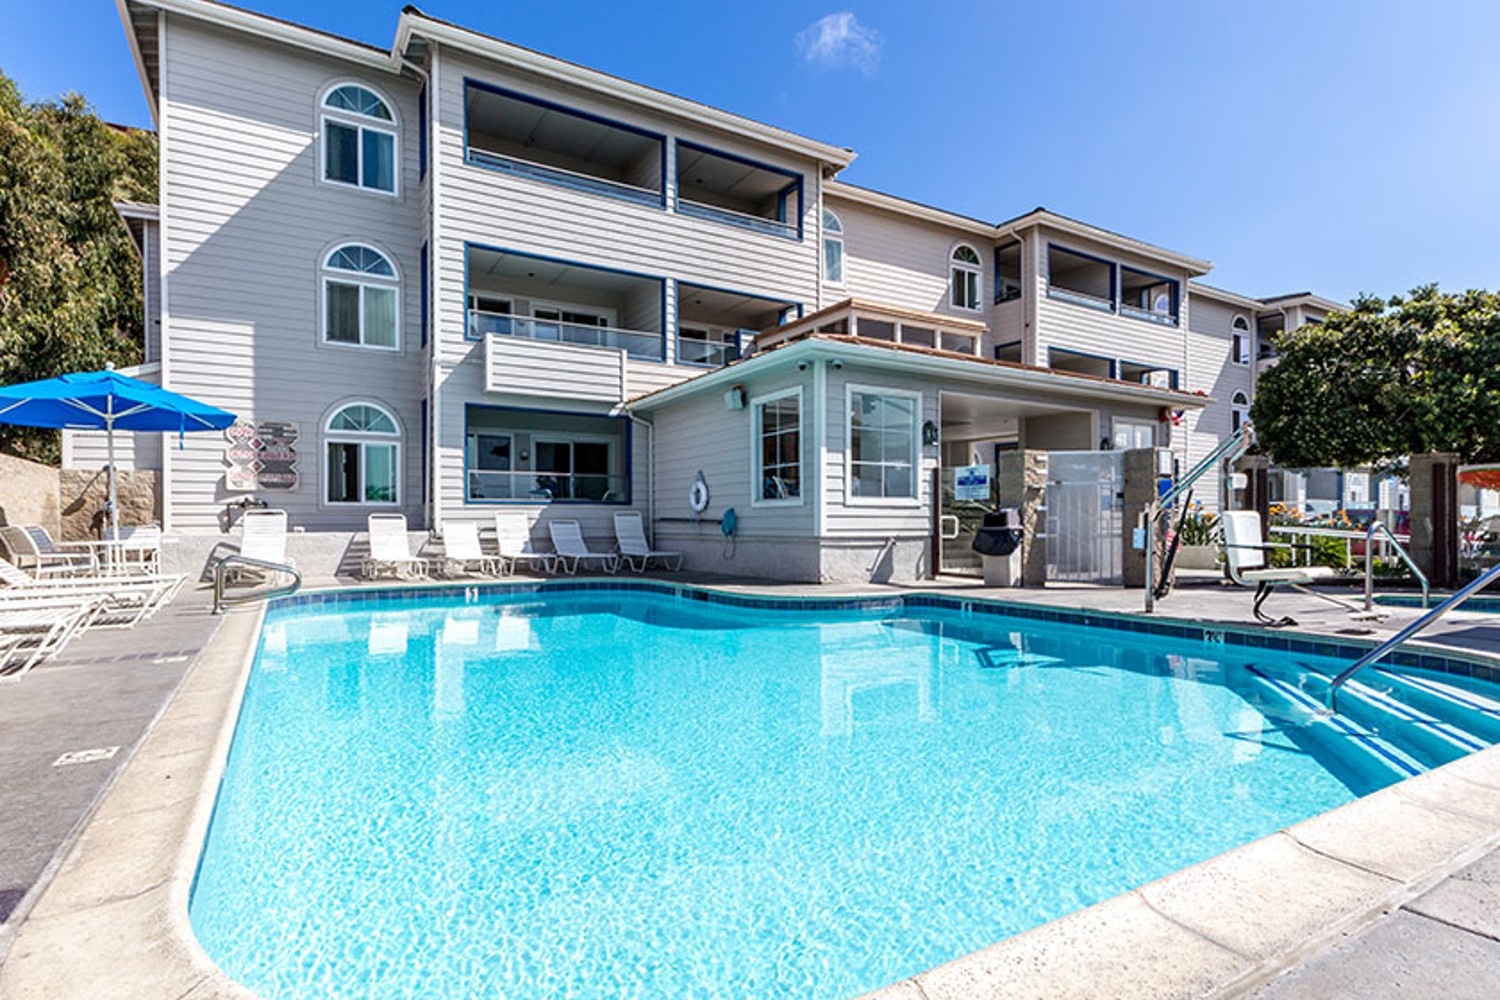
1198 540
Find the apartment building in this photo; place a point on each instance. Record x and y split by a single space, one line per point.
456 275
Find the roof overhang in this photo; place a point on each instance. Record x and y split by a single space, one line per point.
137 216
414 23
910 209
1303 299
1197 288
1116 241
944 365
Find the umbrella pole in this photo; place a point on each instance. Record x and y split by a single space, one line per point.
114 507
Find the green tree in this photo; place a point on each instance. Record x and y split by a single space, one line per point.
1384 379
70 281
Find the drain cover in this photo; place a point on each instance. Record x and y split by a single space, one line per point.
85 756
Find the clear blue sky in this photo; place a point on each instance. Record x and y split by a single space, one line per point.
1299 144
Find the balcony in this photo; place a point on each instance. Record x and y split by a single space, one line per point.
545 487
635 343
732 190
714 325
528 455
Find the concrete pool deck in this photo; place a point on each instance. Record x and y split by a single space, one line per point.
1391 895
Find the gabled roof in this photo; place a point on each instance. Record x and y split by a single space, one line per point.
140 20
1052 220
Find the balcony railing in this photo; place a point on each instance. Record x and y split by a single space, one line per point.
1150 315
564 177
636 343
713 353
546 487
733 218
1080 298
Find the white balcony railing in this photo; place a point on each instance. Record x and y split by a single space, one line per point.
636 343
712 353
546 487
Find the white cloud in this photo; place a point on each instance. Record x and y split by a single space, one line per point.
839 41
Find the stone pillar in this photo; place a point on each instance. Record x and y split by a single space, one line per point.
1140 489
1434 516
1021 481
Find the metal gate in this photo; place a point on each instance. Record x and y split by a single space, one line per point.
1085 514
956 524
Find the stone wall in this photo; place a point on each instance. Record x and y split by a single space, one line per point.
28 493
1021 482
82 492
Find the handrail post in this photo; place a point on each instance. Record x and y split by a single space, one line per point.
1385 648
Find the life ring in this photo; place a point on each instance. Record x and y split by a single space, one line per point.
698 495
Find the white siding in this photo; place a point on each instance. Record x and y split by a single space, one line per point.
245 227
517 366
90 450
1211 370
853 518
151 287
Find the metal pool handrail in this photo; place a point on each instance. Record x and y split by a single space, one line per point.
281 591
1381 526
1383 650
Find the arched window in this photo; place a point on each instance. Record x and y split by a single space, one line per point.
833 249
361 298
1239 411
1239 348
364 455
359 139
965 274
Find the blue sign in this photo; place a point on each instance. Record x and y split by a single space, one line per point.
972 482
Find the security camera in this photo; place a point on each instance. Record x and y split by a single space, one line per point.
802 366
838 365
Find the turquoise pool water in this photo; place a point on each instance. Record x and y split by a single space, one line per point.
633 794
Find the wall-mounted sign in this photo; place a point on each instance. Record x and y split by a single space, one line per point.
261 456
972 482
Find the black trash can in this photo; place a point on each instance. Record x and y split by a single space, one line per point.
998 542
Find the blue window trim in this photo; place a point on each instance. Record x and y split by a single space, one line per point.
531 502
996 285
1176 375
1011 343
470 245
426 464
425 293
1083 298
1113 365
785 304
422 132
783 200
1135 312
541 172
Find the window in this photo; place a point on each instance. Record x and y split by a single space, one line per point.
1239 411
833 249
364 456
1157 376
544 456
1268 330
360 301
965 283
882 443
1008 272
1134 434
778 448
359 139
1240 341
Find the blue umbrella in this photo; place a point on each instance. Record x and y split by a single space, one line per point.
107 399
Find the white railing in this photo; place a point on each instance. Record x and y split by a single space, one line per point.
565 177
757 222
716 353
546 487
636 343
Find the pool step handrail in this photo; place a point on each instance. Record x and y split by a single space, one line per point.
1227 450
221 570
1383 650
1377 525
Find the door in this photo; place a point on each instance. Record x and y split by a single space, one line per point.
1085 516
958 521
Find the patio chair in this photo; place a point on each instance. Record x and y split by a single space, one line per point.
263 538
390 548
32 547
1245 552
124 601
513 538
630 534
573 551
462 552
32 635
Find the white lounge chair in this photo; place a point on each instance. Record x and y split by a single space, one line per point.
123 601
462 551
513 540
31 635
1245 551
573 551
630 534
390 549
262 538
31 546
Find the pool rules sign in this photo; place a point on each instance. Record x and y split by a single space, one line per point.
261 456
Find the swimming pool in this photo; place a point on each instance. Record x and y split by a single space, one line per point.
647 791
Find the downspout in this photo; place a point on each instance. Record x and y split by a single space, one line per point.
432 473
650 474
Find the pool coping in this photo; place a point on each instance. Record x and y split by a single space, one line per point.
114 921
